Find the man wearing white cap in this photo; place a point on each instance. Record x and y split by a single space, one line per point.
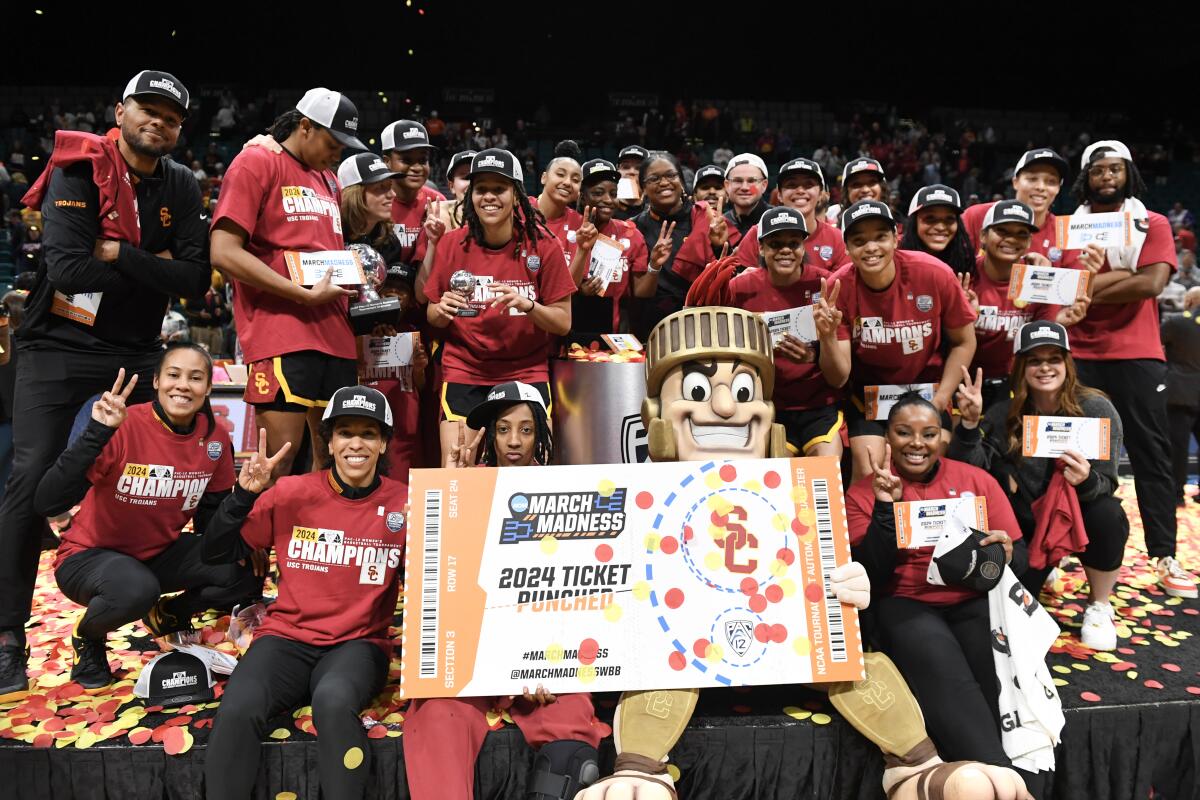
746 187
1117 346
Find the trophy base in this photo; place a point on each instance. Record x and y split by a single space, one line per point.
365 316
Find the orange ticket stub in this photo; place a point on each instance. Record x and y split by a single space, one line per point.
921 523
626 577
1050 437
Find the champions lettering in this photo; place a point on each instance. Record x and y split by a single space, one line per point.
303 200
566 515
153 480
1007 321
180 679
318 546
889 333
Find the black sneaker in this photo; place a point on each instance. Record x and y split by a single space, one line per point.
91 670
161 622
13 655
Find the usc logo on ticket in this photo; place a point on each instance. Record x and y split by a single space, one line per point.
566 515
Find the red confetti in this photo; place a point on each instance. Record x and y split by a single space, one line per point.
140 737
183 719
1121 666
43 740
749 587
1171 667
669 545
1193 690
1126 651
1192 611
774 593
758 604
677 660
377 732
1152 685
673 598
588 650
771 479
173 741
786 556
728 473
813 593
56 724
1091 697
604 553
645 500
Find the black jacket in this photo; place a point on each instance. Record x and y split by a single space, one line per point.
138 286
1181 341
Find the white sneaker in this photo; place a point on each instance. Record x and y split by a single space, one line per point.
1098 631
1174 579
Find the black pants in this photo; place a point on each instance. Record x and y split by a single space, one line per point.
51 386
1137 387
118 589
1185 426
1107 528
276 675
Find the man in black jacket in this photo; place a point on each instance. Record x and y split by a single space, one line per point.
1181 341
97 306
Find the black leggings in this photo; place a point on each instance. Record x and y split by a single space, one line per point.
1107 529
945 654
118 589
277 675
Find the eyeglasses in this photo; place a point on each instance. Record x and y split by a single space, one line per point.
1099 171
654 180
746 181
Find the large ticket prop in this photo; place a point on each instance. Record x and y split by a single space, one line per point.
635 576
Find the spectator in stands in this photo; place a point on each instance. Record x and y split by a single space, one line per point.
1044 382
746 187
506 332
296 340
904 320
207 316
1188 274
1037 180
407 151
933 228
1181 344
436 127
1178 215
938 636
97 306
722 155
1117 346
801 186
1184 238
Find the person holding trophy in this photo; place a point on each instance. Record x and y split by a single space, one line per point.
502 290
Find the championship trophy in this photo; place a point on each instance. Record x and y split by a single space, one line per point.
370 309
463 283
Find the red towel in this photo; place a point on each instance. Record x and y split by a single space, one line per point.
1058 521
118 212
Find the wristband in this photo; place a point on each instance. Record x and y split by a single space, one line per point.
653 270
532 305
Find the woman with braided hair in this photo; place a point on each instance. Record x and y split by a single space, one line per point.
499 289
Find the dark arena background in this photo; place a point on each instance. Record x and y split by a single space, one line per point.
941 94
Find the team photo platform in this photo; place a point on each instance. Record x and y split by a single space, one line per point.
1133 717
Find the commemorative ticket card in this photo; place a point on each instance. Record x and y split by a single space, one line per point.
626 577
608 261
622 342
378 352
1107 229
796 321
307 269
1060 287
879 400
921 523
1049 437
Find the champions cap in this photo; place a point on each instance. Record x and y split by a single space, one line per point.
598 170
335 112
162 84
1009 211
1036 334
967 564
365 168
857 165
864 210
405 134
633 152
461 157
359 401
404 273
503 396
1043 155
935 195
802 166
1107 148
498 162
747 158
781 219
709 172
175 679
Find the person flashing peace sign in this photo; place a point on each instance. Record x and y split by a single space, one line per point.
339 538
140 475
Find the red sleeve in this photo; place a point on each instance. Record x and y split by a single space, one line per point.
110 458
258 530
696 251
972 221
639 255
1159 247
748 250
244 188
222 479
439 273
554 280
956 309
860 504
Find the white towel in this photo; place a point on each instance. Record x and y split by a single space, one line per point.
1031 715
1127 257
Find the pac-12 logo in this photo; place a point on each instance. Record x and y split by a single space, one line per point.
565 515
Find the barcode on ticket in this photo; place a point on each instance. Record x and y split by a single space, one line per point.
833 608
431 582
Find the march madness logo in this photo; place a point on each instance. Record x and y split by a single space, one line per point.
566 515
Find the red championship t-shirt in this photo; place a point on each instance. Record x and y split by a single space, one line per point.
409 224
798 387
146 485
696 252
635 261
564 228
499 344
283 205
1044 241
953 479
998 322
896 334
825 247
340 561
1113 331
